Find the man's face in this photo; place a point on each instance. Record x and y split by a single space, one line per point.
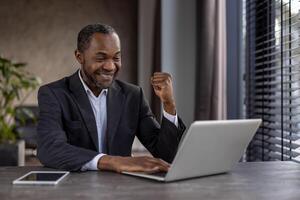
101 61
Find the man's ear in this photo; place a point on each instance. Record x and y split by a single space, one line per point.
79 56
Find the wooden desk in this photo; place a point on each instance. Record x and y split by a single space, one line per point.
248 181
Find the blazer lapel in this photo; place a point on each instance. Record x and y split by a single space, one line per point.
84 106
115 103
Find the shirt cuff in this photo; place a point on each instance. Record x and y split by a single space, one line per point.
93 164
171 118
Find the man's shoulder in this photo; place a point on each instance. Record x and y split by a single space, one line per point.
58 85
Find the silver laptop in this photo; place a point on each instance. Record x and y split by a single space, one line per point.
208 147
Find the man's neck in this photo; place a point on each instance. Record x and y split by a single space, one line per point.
96 90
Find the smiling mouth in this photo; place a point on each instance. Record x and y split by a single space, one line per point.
106 76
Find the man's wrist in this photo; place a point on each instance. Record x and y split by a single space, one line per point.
92 164
107 162
170 107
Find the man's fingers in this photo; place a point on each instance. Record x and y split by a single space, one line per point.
153 78
163 166
156 74
161 76
157 88
160 162
166 81
139 168
151 170
165 163
154 167
150 163
145 167
142 164
159 85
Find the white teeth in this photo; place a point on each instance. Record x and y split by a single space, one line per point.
106 75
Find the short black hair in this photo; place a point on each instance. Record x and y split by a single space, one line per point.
85 34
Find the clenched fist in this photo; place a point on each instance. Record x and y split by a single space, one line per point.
163 88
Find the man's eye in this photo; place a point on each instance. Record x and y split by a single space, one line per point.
117 58
100 59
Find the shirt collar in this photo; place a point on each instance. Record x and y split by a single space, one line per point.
87 89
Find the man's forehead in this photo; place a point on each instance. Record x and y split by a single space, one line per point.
105 40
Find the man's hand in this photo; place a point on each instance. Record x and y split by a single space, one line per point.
162 85
132 164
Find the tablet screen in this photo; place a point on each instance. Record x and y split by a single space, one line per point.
41 177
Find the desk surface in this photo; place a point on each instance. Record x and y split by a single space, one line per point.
261 180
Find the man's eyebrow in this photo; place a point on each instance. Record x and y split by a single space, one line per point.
104 54
101 54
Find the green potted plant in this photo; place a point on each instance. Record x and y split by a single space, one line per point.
15 86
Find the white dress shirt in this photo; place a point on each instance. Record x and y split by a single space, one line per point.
100 112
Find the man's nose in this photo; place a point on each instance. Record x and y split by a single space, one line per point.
109 65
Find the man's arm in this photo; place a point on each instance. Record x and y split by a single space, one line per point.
161 140
53 149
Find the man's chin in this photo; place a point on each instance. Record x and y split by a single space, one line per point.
105 85
104 82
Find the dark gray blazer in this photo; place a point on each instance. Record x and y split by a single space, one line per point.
67 134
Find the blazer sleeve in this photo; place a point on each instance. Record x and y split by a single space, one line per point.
53 149
161 140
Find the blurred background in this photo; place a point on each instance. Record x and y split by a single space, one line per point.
228 59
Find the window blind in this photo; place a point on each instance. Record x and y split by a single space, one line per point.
272 78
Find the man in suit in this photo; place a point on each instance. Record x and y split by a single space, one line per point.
88 120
